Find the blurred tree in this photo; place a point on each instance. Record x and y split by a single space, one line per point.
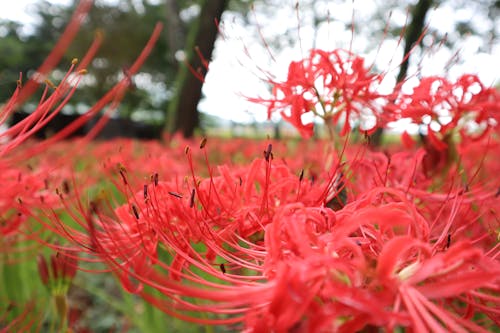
202 36
11 49
176 30
125 27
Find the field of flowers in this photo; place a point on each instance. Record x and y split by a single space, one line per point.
217 235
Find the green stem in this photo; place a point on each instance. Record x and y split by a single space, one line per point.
61 307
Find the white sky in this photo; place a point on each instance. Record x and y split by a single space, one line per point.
16 10
232 73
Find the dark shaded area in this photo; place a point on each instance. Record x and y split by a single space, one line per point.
55 125
114 128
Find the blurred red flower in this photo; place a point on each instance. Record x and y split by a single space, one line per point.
445 107
332 85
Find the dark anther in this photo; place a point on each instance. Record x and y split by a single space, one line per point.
203 143
175 194
241 181
448 241
155 179
222 268
145 191
268 153
65 186
136 213
93 207
191 200
122 173
301 176
498 193
367 137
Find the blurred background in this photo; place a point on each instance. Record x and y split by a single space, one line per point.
253 39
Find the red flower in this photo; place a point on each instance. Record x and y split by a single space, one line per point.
257 246
430 287
333 85
63 267
444 107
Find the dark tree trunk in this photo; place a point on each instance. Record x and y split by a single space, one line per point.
413 34
184 107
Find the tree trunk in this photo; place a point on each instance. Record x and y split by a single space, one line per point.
413 33
184 107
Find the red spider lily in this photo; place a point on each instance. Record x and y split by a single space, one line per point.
256 245
58 278
62 270
43 113
111 99
431 288
25 190
48 106
448 107
21 185
265 234
333 85
262 247
225 213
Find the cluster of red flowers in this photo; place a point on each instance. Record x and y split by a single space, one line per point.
334 86
263 246
298 239
337 87
465 106
35 176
